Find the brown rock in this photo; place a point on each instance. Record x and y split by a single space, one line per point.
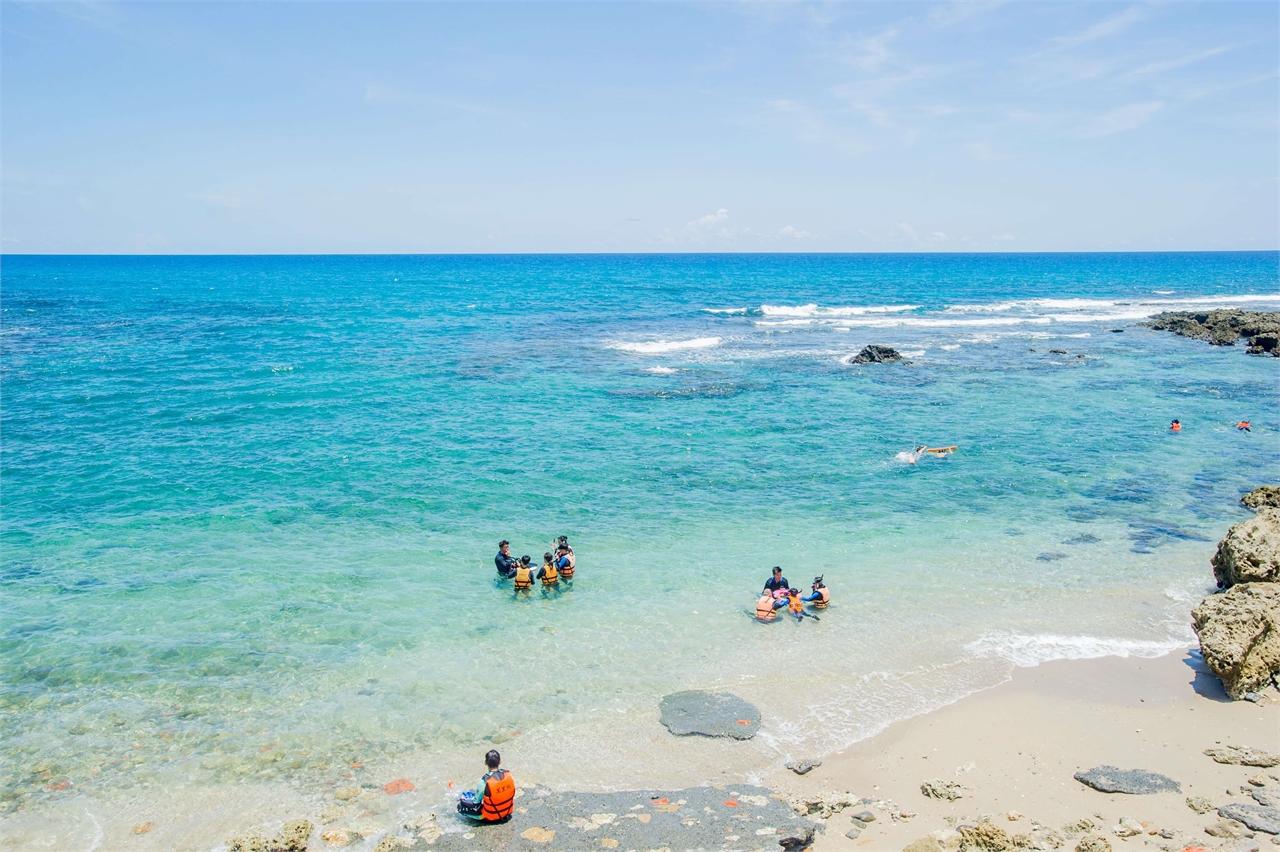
1234 755
1239 634
293 837
1093 843
251 841
144 827
538 834
1250 551
336 837
984 837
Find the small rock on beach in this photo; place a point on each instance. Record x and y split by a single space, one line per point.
947 791
1235 755
1139 782
800 767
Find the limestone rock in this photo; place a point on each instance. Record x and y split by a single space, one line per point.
709 714
1239 634
336 837
1109 779
823 805
865 816
1228 828
853 833
1093 843
923 844
984 837
1250 551
293 837
1235 755
1268 797
250 841
332 814
390 844
1243 844
796 837
1128 827
1264 496
1257 817
1199 804
947 791
948 838
1080 826
345 793
800 767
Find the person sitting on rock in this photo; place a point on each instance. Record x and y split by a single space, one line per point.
505 561
494 798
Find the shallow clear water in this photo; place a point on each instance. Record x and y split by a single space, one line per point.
251 504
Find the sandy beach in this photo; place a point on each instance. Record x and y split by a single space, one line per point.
1016 747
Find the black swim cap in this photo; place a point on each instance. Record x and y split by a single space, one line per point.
777 569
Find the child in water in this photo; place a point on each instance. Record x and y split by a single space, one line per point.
548 574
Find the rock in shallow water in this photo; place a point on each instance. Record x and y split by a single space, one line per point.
709 714
800 767
1239 633
1110 779
876 354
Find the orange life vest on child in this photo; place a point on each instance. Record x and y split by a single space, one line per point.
499 795
549 575
764 607
796 604
821 603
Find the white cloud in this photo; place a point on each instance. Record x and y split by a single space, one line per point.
1108 27
1120 119
908 232
1179 62
938 237
710 219
791 232
1003 238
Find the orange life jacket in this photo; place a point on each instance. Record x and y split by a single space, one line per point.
764 608
796 604
1243 424
524 577
499 795
567 571
549 575
821 603
1176 427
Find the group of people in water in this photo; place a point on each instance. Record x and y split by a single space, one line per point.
558 564
778 594
1242 426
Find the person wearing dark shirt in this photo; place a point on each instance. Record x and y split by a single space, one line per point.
505 561
777 582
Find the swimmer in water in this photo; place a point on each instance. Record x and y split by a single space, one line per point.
1175 426
1243 426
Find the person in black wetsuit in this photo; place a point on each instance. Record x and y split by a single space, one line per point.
505 561
777 586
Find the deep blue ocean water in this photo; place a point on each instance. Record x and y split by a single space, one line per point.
252 502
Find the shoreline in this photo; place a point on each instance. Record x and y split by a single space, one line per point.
1013 746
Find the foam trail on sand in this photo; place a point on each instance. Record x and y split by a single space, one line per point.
1031 650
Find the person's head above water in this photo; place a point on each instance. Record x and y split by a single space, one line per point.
817 582
524 560
493 760
547 557
777 570
564 539
504 545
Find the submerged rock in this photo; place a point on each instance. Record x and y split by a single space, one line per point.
876 354
1139 782
1264 496
709 714
1257 817
1250 551
1224 327
1239 633
1234 755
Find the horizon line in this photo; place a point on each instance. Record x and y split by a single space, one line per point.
4 255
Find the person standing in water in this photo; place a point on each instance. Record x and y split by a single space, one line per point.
523 576
505 561
494 798
565 560
548 574
819 597
1175 426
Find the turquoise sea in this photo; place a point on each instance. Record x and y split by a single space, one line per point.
250 504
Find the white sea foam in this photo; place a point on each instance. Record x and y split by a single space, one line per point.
661 371
1032 650
814 310
1147 307
726 310
950 347
653 347
912 353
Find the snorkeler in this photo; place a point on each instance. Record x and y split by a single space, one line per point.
819 597
1243 426
1175 426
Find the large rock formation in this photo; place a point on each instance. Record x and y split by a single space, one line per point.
1239 634
1263 496
1225 327
1250 551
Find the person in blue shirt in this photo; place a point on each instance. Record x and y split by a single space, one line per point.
777 586
505 561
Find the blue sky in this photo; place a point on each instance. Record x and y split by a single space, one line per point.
409 127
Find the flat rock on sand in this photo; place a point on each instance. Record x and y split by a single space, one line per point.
1139 782
1235 755
1257 817
709 714
693 818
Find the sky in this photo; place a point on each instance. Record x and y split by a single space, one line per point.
213 128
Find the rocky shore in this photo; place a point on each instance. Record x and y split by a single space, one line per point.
1225 327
